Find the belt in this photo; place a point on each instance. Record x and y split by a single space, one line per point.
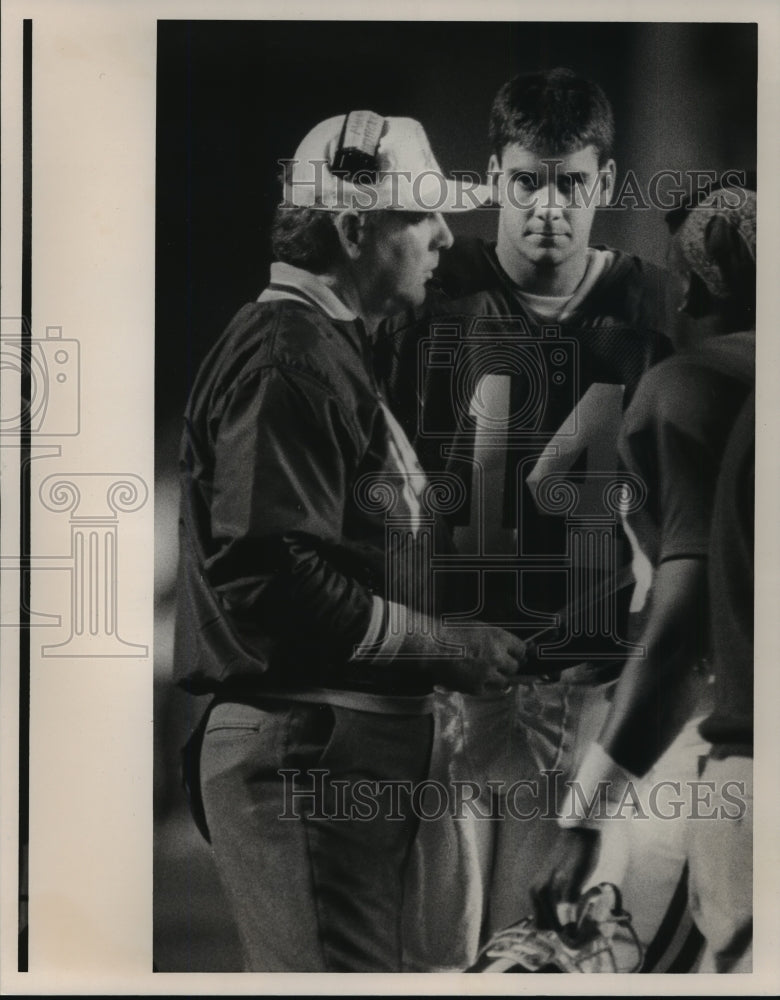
360 701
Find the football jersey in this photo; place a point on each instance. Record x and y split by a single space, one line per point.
519 413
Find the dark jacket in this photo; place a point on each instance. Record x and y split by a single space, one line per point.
289 467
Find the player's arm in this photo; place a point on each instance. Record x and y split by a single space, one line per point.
651 703
653 697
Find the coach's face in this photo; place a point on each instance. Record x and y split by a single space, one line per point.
398 254
548 202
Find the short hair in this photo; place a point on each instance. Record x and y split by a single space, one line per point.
555 110
306 238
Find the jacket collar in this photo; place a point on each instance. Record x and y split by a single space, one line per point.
288 282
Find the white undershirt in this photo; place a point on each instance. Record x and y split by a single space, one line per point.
558 307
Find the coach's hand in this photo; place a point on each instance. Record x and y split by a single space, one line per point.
485 659
490 661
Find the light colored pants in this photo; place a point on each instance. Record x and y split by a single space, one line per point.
470 876
646 855
471 870
315 880
720 853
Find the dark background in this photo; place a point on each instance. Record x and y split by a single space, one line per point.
235 97
232 99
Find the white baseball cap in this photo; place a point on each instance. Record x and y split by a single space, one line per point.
366 162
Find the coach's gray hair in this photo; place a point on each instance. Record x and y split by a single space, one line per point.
305 237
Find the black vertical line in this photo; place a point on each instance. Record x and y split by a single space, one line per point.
189 274
24 496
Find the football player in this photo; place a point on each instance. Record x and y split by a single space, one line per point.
689 433
512 379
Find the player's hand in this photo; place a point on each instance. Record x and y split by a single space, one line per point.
572 859
490 662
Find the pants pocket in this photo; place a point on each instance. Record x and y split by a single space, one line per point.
229 719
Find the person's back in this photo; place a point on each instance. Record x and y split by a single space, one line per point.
689 434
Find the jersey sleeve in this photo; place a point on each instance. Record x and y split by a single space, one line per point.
670 438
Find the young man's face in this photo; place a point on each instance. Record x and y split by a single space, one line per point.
548 201
400 252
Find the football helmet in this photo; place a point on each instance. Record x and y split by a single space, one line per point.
600 937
